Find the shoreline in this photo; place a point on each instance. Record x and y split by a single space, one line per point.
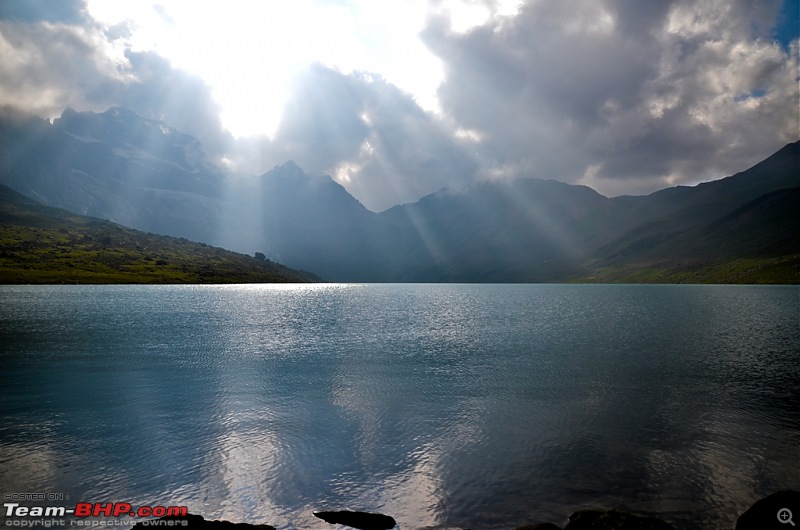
764 514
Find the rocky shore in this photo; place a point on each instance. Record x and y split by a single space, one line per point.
775 511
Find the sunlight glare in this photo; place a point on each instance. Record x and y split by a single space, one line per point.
464 15
250 52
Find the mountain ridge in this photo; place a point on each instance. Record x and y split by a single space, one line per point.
141 173
42 244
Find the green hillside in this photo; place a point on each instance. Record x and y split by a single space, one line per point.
39 245
757 243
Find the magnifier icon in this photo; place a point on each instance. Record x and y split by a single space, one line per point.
785 516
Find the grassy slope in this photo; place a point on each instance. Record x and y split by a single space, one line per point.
39 245
759 243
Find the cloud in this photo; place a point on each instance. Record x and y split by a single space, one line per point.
619 95
357 127
368 135
624 96
49 66
182 100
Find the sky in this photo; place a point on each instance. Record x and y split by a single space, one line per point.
397 99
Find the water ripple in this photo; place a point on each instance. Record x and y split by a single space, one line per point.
451 405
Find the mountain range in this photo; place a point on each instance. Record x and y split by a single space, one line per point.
143 174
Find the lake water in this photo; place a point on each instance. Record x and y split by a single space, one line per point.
480 406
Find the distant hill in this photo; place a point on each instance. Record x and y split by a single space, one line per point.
40 244
756 243
143 174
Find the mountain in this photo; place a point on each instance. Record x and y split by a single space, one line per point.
652 219
525 230
531 230
755 243
143 174
115 165
312 220
41 244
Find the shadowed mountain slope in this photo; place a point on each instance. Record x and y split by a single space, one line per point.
41 244
143 174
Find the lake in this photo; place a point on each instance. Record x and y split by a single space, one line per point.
480 406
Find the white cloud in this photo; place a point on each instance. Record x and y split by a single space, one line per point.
47 66
251 51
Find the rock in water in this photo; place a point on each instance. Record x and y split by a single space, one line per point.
360 520
614 519
763 515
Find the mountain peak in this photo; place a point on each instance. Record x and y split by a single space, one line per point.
288 171
290 167
69 112
127 115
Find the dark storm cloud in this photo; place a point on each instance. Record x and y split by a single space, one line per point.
408 152
621 95
322 122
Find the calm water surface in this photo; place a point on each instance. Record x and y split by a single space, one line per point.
481 406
